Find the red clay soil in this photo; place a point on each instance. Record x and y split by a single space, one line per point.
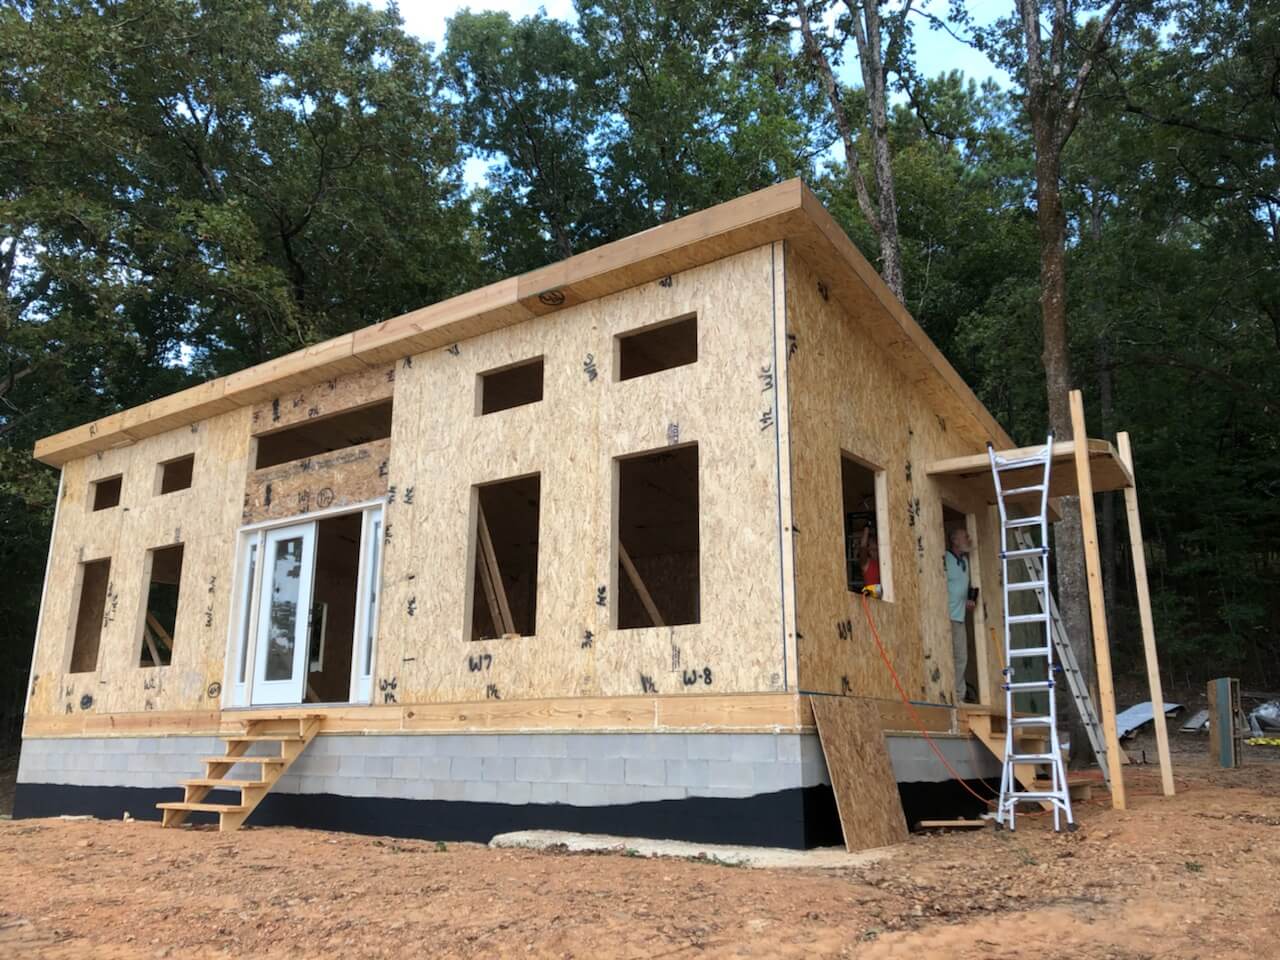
1197 876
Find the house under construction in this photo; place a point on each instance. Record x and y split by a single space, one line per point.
575 550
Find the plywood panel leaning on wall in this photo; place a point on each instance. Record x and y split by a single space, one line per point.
861 774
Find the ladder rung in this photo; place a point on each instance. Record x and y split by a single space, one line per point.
1028 652
1023 491
1029 685
1060 795
1027 618
1031 757
1036 461
1026 585
1023 552
1021 521
1032 722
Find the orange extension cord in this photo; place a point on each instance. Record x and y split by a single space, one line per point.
866 609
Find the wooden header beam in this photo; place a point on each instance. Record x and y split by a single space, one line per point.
787 211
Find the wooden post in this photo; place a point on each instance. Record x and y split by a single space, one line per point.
634 576
1144 615
1097 609
495 587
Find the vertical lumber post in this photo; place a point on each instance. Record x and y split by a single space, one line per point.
1097 609
1144 614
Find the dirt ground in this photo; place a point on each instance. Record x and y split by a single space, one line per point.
1197 876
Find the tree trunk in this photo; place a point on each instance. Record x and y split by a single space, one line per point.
1106 402
1073 590
871 58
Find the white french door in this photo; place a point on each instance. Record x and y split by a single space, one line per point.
271 629
284 614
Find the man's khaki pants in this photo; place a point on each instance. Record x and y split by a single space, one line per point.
960 651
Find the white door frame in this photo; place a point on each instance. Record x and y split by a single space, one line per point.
244 625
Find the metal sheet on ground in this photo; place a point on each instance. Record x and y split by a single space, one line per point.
861 775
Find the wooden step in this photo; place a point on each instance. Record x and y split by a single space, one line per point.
243 760
203 807
223 784
272 738
1078 788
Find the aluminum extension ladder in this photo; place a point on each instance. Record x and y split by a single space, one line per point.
1041 648
1033 563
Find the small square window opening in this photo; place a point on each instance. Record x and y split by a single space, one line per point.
512 386
106 492
661 346
176 474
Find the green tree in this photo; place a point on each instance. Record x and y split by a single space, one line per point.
189 188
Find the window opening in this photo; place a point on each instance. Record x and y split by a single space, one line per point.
176 474
865 530
661 346
658 539
91 610
106 492
504 597
512 386
325 434
161 618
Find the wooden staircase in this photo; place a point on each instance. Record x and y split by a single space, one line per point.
293 732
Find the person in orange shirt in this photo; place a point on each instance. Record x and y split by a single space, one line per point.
869 558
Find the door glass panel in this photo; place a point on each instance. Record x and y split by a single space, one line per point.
286 588
251 572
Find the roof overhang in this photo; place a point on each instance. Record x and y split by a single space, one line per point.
788 211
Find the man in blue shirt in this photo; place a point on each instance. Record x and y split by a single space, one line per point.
959 604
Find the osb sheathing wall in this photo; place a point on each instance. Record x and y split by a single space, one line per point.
440 448
203 518
847 396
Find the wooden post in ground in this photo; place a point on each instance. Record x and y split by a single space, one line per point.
1144 614
1097 608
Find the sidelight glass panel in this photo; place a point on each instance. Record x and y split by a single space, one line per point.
247 622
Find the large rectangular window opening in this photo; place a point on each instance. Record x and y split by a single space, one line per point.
512 386
673 343
91 609
504 600
865 515
160 622
658 541
325 434
176 474
106 492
